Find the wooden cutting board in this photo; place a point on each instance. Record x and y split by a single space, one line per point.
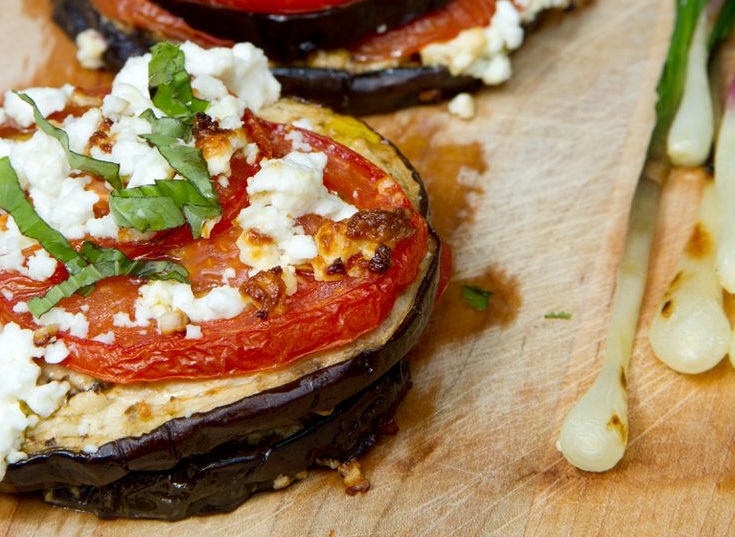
533 195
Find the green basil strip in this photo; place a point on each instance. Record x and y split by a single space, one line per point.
186 160
167 126
13 200
163 205
169 83
106 263
109 171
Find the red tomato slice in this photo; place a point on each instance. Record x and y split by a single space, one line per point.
319 316
148 15
275 6
440 25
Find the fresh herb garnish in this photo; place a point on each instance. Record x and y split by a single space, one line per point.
169 83
186 160
105 263
86 267
477 297
13 201
558 315
109 171
165 204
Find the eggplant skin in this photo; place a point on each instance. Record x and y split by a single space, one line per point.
373 92
221 481
365 93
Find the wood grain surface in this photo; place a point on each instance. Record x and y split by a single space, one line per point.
533 196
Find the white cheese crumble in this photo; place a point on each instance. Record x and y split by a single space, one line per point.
283 190
39 266
462 106
91 47
48 101
75 323
159 297
483 52
22 400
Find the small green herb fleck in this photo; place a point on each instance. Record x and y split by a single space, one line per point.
477 297
558 315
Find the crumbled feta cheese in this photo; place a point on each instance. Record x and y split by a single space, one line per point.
531 8
462 106
22 399
38 266
56 352
48 101
91 47
481 52
193 331
105 337
74 323
157 298
283 190
80 129
244 71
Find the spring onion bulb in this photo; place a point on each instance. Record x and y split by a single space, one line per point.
690 331
594 435
690 138
725 183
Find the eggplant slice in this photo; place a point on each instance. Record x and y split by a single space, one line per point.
357 93
292 37
220 481
172 449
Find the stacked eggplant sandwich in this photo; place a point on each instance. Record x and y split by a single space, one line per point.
206 289
357 56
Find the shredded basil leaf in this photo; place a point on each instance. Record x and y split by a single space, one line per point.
86 267
558 315
186 160
169 83
163 205
13 201
167 126
105 263
109 171
477 297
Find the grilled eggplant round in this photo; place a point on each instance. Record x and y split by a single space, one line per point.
286 39
172 449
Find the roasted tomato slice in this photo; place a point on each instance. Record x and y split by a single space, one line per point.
440 25
148 15
275 6
320 315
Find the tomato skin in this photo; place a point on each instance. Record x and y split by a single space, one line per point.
278 7
440 25
150 16
319 316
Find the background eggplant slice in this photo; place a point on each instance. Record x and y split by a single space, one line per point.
252 428
292 37
359 93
